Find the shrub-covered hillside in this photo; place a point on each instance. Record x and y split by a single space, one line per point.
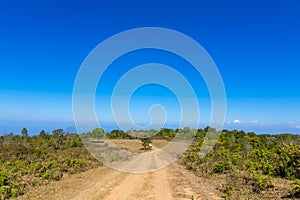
251 165
31 161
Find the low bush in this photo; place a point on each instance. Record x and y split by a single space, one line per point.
32 161
256 158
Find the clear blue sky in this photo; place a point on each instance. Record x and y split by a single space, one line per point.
255 44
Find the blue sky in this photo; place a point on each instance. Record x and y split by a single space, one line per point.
255 45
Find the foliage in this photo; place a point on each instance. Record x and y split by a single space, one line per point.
31 161
118 134
24 132
252 159
296 189
247 159
221 167
146 143
165 133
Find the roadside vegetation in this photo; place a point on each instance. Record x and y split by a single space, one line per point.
27 162
250 166
245 165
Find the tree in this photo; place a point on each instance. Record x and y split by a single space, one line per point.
98 133
146 143
118 134
24 132
57 132
42 133
57 135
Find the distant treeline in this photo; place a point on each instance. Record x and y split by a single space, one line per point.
163 133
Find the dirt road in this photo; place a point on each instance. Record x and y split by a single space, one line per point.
173 182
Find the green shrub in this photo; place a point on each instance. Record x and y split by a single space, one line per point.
5 192
146 143
32 160
296 189
257 158
227 191
14 192
3 179
221 167
261 181
47 175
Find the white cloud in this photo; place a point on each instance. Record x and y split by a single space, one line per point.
291 122
236 121
228 122
254 122
297 127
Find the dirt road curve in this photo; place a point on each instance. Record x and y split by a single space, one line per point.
173 182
